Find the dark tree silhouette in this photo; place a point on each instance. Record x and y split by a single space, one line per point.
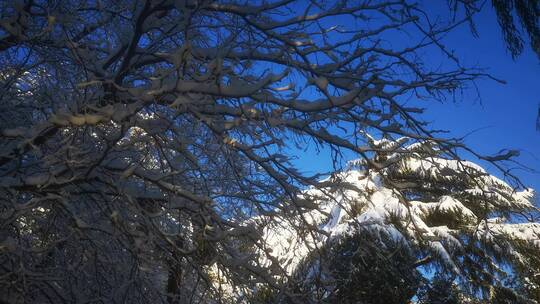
528 15
515 18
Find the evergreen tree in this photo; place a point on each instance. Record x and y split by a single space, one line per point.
422 214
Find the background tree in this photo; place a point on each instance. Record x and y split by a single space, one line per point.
440 229
141 139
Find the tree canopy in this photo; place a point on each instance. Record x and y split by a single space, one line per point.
147 155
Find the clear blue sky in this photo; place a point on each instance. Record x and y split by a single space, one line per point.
506 114
504 118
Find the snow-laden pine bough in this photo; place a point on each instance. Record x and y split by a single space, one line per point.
380 236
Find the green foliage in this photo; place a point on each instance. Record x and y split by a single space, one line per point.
264 295
363 268
440 290
503 295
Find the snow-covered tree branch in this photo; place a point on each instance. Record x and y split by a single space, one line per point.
146 155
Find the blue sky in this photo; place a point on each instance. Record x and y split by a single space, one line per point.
504 117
